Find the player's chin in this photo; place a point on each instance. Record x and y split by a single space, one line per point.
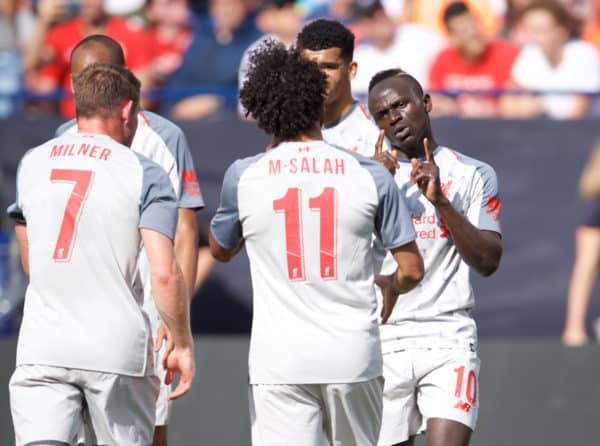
405 142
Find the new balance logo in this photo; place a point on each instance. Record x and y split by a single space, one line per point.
461 405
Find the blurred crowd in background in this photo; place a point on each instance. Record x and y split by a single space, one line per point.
513 59
480 58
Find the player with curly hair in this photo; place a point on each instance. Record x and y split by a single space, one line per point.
306 211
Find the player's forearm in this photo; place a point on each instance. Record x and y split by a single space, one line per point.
206 263
410 269
481 250
186 247
172 301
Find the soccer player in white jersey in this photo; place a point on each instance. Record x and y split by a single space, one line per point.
429 345
346 122
88 202
164 143
305 210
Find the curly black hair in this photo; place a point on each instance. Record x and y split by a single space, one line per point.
397 72
284 92
323 34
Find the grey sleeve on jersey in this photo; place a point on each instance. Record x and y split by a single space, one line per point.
225 225
485 204
393 223
189 193
158 206
64 127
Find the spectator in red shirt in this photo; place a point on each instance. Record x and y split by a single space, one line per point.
170 34
473 63
49 52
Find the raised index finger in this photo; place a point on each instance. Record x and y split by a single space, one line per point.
428 153
379 143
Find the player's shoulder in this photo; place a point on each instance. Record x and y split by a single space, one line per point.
360 114
467 162
156 123
34 152
148 165
66 127
376 169
240 165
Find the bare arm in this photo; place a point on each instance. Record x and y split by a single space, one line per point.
186 246
410 269
206 263
220 253
480 249
168 286
409 273
172 301
23 242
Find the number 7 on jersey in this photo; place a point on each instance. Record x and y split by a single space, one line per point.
66 235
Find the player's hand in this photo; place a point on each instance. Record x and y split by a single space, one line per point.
163 335
389 297
387 158
180 361
426 175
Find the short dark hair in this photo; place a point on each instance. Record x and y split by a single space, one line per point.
323 34
100 40
100 89
397 72
366 8
555 9
454 9
284 91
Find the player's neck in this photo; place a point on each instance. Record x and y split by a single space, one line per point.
100 126
334 112
313 134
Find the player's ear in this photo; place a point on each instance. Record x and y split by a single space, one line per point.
352 68
127 111
427 103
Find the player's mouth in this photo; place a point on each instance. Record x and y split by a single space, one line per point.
402 132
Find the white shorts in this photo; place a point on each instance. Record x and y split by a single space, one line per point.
428 383
48 404
163 406
316 414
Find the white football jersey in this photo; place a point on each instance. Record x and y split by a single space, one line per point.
437 312
307 212
355 131
85 197
164 143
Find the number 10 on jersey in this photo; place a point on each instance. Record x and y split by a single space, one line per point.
326 204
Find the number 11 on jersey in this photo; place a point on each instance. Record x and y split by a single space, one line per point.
326 205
